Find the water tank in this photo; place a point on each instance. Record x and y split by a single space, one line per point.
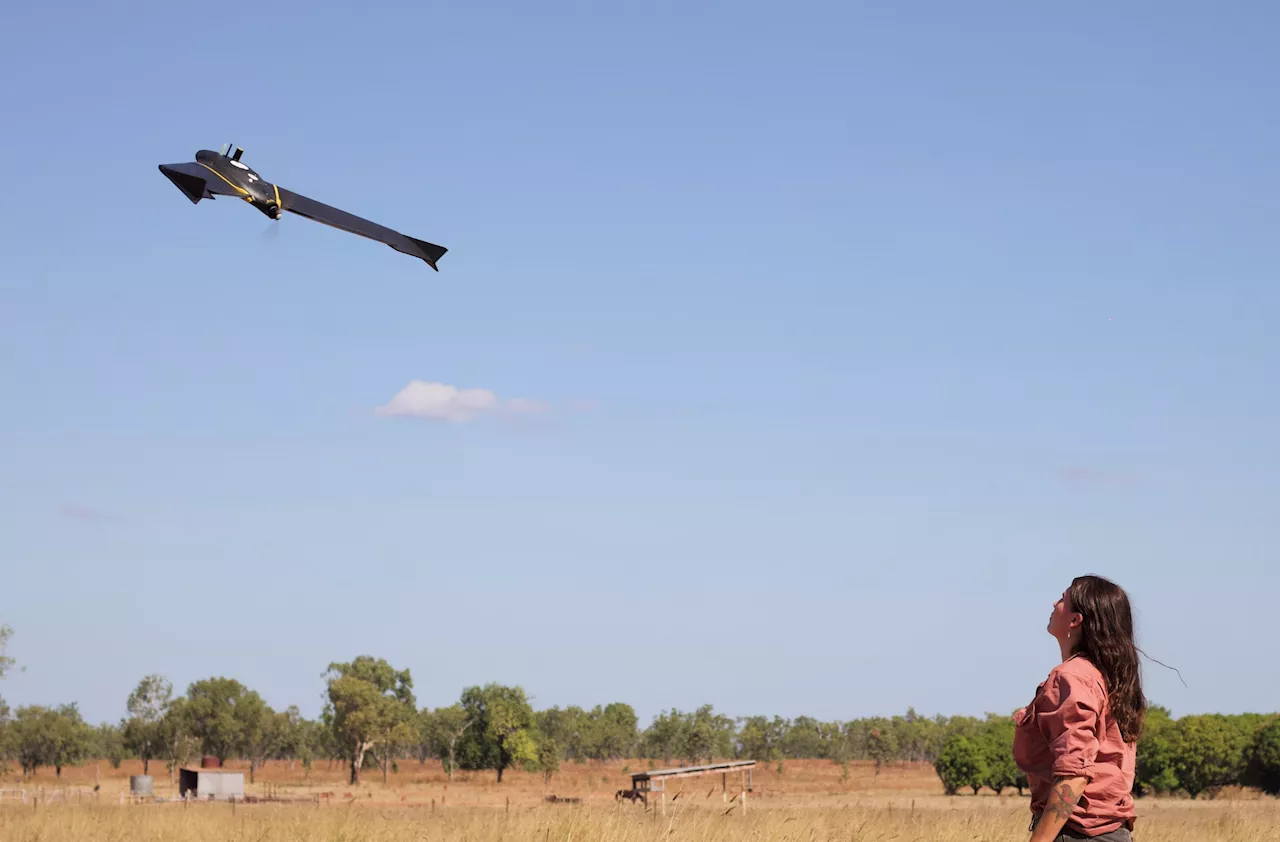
140 784
210 762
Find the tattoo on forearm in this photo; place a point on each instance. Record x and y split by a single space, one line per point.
1063 801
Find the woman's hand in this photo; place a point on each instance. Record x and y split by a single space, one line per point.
1062 801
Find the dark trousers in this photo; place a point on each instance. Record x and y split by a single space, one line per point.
1070 834
1120 835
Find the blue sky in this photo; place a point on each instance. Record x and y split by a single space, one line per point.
855 333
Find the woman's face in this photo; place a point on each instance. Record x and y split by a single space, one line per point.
1062 620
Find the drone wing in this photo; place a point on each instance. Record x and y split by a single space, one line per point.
320 212
196 181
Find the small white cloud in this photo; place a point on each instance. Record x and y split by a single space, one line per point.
438 400
443 402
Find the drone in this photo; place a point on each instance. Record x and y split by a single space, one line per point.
222 173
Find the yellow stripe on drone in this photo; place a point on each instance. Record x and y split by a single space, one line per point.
224 178
277 189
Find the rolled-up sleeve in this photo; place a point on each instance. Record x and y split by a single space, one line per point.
1067 715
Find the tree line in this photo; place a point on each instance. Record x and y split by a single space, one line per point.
370 722
1194 755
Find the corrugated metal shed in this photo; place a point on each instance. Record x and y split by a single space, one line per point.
210 784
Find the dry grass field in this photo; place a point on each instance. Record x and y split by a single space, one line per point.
805 800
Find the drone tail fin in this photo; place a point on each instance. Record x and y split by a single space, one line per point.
430 252
193 187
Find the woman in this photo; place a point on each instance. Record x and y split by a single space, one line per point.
1077 740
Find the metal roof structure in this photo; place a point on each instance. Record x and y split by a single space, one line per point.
692 771
205 771
643 783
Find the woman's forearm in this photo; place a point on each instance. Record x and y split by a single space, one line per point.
1062 801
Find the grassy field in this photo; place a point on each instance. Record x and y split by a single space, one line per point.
805 800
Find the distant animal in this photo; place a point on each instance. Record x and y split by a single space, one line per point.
634 795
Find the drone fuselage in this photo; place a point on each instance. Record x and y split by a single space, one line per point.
251 187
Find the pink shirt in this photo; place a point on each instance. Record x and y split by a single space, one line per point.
1067 731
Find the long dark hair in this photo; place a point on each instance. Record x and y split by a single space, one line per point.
1106 639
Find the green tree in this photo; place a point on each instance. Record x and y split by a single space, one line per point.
761 738
263 731
398 734
29 737
882 743
503 731
662 737
219 712
147 705
72 738
300 741
616 731
1249 723
919 738
1263 770
176 735
800 738
367 701
445 727
45 736
705 733
548 757
327 745
959 726
961 763
426 745
1156 770
108 742
838 748
570 729
6 662
1209 753
997 755
6 747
